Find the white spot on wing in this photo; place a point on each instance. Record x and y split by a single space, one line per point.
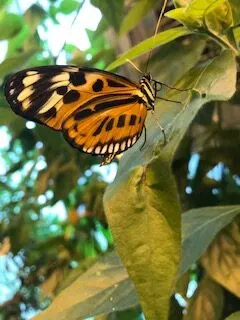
123 145
134 140
25 93
84 149
116 148
89 150
30 73
61 77
27 81
26 103
97 150
59 84
129 143
104 149
71 69
110 148
12 91
52 101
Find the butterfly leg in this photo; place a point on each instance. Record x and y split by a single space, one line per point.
161 128
164 99
108 159
145 137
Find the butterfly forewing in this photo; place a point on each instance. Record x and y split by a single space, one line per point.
99 112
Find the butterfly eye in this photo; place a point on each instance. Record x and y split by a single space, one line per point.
148 76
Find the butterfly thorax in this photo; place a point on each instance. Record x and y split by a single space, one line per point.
148 91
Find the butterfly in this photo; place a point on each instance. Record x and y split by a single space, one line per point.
98 112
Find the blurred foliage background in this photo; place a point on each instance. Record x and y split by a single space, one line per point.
52 220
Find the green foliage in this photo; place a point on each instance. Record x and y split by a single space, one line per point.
7 20
134 16
111 10
143 47
58 260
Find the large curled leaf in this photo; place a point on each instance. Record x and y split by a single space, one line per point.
200 227
142 204
153 42
105 287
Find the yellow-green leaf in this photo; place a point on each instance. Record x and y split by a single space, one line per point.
148 44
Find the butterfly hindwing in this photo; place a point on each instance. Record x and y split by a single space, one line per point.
111 131
99 112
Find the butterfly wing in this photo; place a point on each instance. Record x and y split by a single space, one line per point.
109 132
69 98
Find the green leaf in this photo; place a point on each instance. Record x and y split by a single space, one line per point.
218 17
10 25
237 35
68 6
142 204
181 3
34 16
200 226
17 42
111 10
15 63
176 58
101 28
4 3
88 297
105 287
234 316
235 5
192 15
136 14
148 44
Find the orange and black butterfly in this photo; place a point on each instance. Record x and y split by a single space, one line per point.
98 112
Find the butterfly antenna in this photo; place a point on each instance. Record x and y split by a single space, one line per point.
134 66
155 33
